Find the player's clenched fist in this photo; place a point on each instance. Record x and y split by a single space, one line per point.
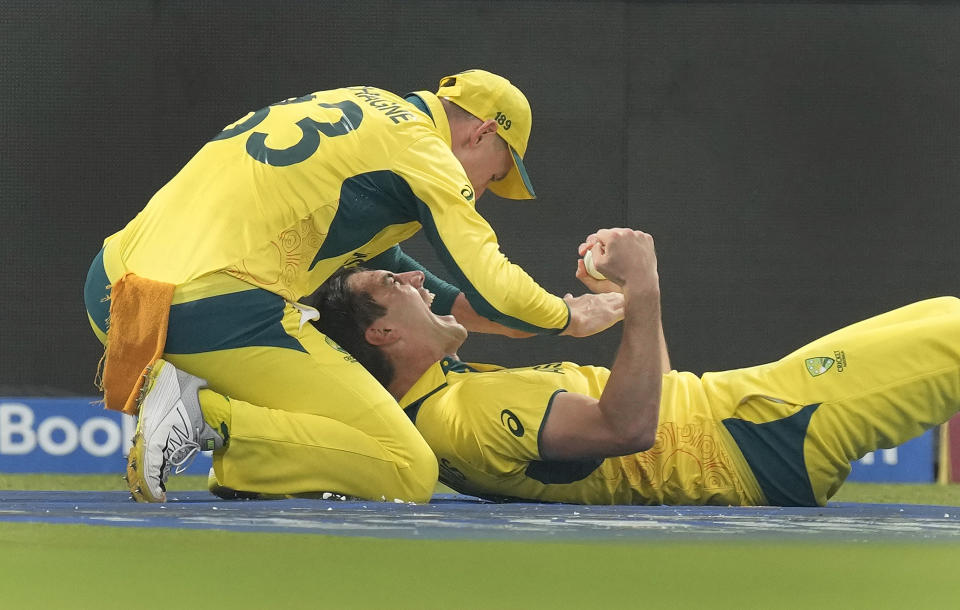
625 257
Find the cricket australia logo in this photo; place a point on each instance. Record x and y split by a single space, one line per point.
818 366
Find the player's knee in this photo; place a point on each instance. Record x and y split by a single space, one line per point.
422 475
942 305
953 303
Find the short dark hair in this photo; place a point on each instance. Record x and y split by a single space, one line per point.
345 316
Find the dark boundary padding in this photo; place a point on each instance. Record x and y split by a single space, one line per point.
796 161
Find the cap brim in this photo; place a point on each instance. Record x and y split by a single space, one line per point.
516 184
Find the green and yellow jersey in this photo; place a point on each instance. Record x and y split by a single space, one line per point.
483 423
292 192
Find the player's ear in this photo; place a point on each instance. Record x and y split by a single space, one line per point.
487 127
380 336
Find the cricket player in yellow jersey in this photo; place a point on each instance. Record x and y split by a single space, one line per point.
207 277
779 434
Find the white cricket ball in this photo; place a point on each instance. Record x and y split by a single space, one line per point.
591 269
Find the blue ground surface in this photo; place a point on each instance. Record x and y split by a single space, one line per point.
464 517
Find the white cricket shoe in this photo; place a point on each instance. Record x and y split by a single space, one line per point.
170 431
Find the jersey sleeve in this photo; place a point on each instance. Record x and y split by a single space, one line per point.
490 421
398 261
486 435
467 245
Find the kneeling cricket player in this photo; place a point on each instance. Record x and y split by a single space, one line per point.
777 434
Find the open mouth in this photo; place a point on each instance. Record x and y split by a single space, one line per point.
427 296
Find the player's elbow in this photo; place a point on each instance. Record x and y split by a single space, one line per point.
633 439
634 434
645 439
630 428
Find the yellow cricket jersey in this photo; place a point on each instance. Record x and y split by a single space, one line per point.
292 192
483 423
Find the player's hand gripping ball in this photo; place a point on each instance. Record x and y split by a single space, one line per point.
591 269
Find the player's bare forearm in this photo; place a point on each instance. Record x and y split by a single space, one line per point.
631 399
475 323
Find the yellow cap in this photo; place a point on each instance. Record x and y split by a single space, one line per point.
490 97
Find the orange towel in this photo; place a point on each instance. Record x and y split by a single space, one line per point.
139 313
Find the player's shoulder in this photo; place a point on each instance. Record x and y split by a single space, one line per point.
544 371
552 376
387 109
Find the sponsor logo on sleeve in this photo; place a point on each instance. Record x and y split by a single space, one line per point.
512 422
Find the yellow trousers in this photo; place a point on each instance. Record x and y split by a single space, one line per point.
304 415
802 420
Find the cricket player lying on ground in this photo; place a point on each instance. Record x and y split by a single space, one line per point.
777 434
